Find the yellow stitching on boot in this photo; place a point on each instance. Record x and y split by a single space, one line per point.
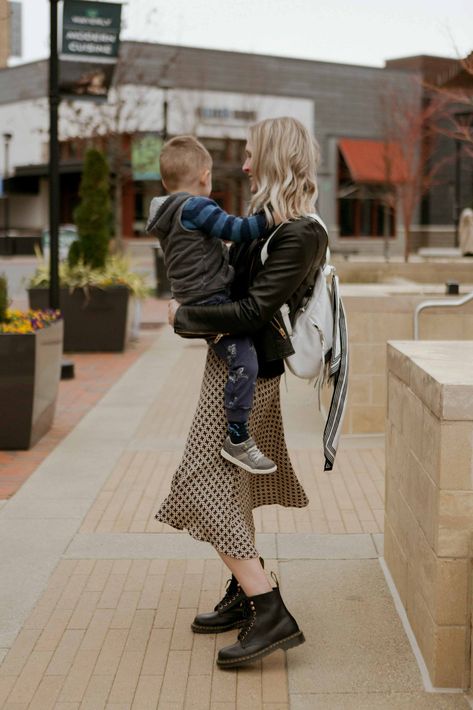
258 653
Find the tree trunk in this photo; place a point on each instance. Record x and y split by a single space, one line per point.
386 232
118 215
407 241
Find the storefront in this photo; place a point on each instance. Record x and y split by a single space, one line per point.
368 173
163 90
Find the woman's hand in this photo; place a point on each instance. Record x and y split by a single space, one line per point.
173 305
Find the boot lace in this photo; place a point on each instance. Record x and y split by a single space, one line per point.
245 630
229 597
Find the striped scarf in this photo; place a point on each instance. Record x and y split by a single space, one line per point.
339 376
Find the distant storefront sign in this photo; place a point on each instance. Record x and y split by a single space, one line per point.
90 44
208 113
145 152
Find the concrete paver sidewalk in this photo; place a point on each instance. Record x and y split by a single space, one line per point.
97 598
95 373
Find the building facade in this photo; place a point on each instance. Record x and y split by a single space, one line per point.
166 90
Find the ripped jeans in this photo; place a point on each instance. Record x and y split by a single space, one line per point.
239 353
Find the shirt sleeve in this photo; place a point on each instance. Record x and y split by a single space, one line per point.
204 214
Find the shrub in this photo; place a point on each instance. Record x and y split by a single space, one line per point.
117 272
92 216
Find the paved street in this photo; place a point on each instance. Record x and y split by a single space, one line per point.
97 598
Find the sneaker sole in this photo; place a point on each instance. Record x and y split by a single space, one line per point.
198 629
245 466
289 642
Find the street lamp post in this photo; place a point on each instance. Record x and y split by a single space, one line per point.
53 159
6 173
67 367
165 85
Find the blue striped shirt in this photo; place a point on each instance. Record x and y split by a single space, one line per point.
204 214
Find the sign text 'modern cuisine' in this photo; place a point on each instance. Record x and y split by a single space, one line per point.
91 29
90 45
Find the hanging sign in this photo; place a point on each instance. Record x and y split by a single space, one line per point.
91 29
145 153
90 45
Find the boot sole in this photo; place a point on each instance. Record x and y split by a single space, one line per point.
289 642
198 629
239 463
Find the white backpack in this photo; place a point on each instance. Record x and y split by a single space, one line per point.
312 334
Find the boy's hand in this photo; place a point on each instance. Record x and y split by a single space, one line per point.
173 305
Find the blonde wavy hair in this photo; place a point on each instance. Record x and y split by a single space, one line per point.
284 164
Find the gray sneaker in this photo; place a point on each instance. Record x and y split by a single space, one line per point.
247 455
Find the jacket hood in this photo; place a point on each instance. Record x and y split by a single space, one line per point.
162 211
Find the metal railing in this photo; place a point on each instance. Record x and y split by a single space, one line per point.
436 303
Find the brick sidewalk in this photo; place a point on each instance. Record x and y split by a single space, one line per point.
349 500
116 634
95 373
108 626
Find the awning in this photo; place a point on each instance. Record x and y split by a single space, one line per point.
42 169
371 161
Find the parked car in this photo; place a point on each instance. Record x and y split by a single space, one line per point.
67 235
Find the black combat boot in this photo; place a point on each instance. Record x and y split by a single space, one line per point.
270 626
230 613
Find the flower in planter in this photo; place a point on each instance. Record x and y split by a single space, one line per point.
20 323
30 370
16 322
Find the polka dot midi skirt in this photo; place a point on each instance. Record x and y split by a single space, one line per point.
210 497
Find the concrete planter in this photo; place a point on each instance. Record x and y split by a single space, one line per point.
30 370
97 321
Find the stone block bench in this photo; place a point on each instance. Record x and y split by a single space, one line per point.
429 499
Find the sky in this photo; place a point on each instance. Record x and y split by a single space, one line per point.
365 32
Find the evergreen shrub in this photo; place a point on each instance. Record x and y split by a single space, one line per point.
92 216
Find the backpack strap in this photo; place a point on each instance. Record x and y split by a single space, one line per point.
314 216
264 250
318 218
326 269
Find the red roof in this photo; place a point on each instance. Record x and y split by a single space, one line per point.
373 161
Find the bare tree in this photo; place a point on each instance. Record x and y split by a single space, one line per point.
456 92
411 160
130 110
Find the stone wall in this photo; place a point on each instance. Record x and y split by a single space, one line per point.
375 316
432 271
429 499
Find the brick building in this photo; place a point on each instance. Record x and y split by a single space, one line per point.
216 95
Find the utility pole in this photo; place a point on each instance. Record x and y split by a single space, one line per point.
53 159
6 197
67 367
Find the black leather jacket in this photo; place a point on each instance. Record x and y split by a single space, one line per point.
295 252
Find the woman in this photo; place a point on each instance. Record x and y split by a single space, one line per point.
210 497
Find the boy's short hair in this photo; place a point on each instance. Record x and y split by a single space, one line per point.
182 160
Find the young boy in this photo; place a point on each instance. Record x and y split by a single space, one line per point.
190 228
